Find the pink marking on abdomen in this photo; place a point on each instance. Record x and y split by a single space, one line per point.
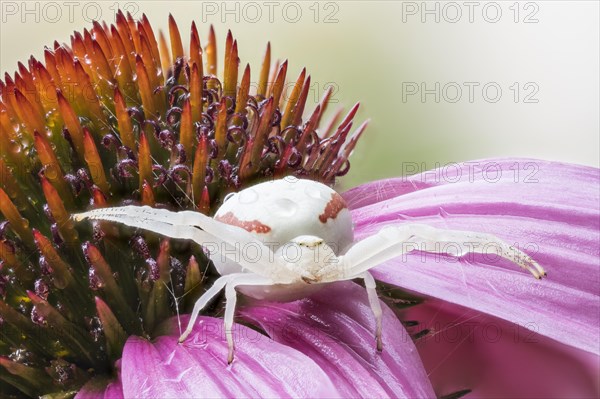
333 208
250 225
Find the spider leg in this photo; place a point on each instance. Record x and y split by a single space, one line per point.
375 305
155 220
393 241
231 300
131 214
204 300
184 225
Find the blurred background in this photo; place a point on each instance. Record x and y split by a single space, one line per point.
442 82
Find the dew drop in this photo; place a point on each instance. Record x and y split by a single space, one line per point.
291 179
41 289
313 192
285 207
228 196
456 252
94 326
248 196
154 269
61 371
23 356
23 308
37 318
45 267
60 307
95 281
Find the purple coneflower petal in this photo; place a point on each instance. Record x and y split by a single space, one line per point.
198 367
335 328
550 210
101 388
114 390
467 349
320 347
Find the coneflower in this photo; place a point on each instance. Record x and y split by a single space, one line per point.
124 116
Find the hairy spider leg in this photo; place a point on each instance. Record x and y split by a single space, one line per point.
393 241
171 224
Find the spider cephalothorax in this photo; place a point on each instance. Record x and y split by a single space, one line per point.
281 240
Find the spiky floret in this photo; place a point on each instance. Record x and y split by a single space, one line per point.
121 116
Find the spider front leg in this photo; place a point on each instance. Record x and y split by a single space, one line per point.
393 241
190 226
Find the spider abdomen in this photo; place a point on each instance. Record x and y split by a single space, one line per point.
277 212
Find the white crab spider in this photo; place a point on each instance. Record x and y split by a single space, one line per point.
283 239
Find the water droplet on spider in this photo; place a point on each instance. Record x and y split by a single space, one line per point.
228 197
285 207
455 251
248 196
291 179
313 192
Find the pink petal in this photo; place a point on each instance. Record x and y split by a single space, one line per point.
100 387
550 210
320 347
198 367
335 328
466 349
114 390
